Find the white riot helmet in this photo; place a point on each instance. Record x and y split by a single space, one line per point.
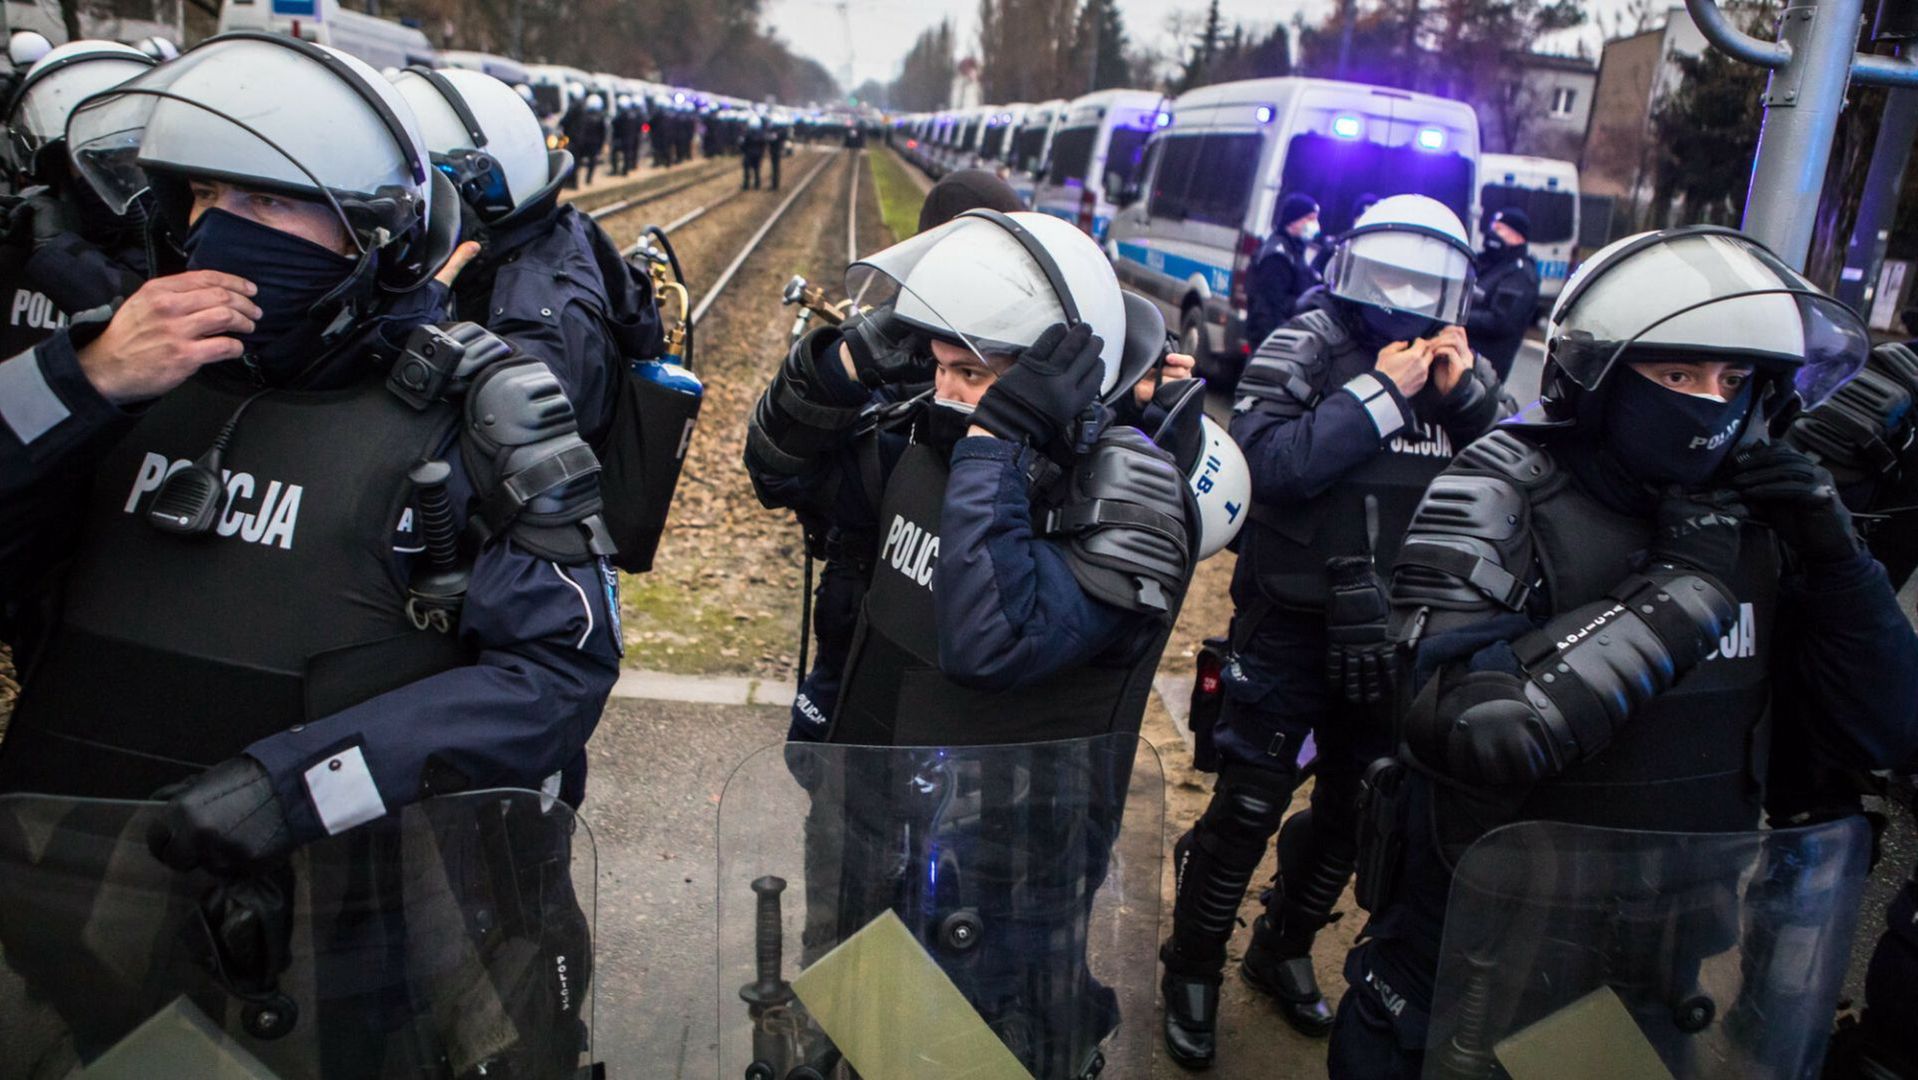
281 114
26 47
994 282
53 86
595 103
1221 484
483 137
1407 256
1692 294
161 49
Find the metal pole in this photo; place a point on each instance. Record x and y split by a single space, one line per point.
519 30
1348 13
1879 205
1802 103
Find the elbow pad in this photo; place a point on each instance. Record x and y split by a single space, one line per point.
534 478
1124 524
1589 668
790 425
1581 678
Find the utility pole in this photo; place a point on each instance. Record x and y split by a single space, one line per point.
1811 64
1348 14
1897 23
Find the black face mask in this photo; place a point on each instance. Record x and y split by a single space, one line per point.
1384 327
945 423
1665 437
293 275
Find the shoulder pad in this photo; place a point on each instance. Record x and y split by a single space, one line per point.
1468 545
533 477
1898 361
1125 524
1284 372
439 361
1503 453
1864 428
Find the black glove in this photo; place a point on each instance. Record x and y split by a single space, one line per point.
882 349
53 217
1697 532
1049 387
1359 659
1797 498
228 819
248 929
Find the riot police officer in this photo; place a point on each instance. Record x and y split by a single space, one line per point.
1739 613
1345 413
64 251
1282 270
1505 299
1032 555
280 623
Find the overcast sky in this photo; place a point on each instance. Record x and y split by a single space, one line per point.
882 30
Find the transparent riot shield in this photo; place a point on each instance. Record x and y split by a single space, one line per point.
1573 952
451 939
981 911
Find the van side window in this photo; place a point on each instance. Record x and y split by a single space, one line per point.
1222 179
1071 153
1177 156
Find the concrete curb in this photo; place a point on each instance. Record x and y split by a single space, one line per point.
701 689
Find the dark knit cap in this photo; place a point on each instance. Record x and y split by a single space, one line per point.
1516 220
1295 206
967 189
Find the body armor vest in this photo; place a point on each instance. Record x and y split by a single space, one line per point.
171 653
1692 758
894 693
1295 541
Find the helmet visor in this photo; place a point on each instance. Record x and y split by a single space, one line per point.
296 127
1704 297
1402 270
40 114
967 282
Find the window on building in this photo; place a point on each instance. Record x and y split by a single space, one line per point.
1564 98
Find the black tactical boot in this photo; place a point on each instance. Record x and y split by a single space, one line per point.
1213 864
1286 974
1312 875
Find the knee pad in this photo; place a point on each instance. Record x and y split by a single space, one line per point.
1246 808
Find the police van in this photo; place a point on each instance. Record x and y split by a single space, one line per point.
961 148
1030 143
1547 190
504 68
381 43
1094 152
995 145
1223 156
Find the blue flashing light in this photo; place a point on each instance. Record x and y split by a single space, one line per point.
1347 127
1431 138
1264 114
1163 119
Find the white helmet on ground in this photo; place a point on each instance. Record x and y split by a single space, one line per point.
995 282
482 135
54 85
1221 483
280 114
1408 254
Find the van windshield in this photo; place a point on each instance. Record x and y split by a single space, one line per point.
1552 212
1026 147
995 138
1336 172
1124 151
1071 153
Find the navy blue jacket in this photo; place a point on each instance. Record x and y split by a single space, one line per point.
1010 611
546 637
1280 275
556 287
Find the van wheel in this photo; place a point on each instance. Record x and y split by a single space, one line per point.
1192 337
